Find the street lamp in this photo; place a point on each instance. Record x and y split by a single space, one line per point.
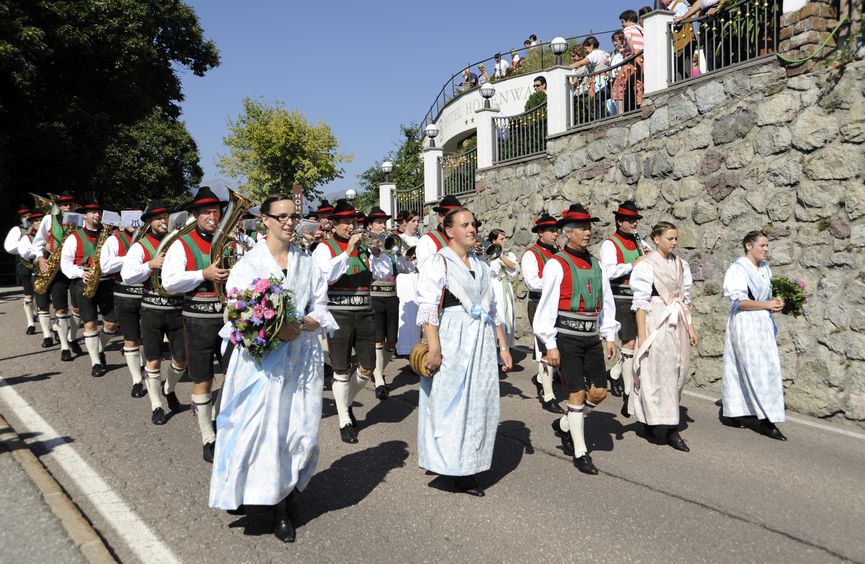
432 132
487 92
350 195
386 167
558 46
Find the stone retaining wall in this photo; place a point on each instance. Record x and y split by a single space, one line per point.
722 155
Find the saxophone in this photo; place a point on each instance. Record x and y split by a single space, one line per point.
45 206
224 245
95 268
44 279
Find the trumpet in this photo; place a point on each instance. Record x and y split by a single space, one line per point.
493 251
391 244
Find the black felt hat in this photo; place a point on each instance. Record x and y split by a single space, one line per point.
66 197
628 210
543 221
447 203
204 197
24 210
154 208
575 214
324 208
377 213
343 210
89 205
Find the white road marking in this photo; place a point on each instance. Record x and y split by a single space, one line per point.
790 418
135 533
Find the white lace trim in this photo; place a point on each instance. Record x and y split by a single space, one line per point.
428 315
641 304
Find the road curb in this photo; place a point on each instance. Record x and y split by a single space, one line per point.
77 526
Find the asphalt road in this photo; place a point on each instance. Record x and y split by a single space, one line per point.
737 496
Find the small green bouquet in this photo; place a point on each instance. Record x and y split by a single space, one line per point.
792 292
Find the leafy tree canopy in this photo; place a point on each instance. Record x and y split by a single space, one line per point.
407 168
272 148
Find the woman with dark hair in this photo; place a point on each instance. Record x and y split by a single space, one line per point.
661 283
752 385
458 411
408 333
502 269
267 444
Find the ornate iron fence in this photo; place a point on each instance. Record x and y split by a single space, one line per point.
458 172
736 33
606 92
521 135
410 199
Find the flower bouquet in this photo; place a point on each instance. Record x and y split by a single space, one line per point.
792 292
256 315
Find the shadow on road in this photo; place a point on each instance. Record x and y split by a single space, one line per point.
39 448
392 410
14 380
513 440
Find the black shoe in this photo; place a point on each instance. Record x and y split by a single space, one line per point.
469 485
66 355
735 422
138 390
552 406
770 430
76 348
382 392
539 387
617 387
567 440
98 370
348 435
102 360
585 465
174 404
47 343
676 441
624 411
352 417
648 431
31 330
158 418
283 529
207 451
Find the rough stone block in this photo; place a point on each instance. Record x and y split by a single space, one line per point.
780 108
598 150
853 126
686 165
617 138
720 186
733 208
739 155
681 109
779 207
783 172
639 131
657 165
813 129
705 211
709 95
646 194
698 137
773 140
562 166
834 163
690 188
660 120
712 161
732 126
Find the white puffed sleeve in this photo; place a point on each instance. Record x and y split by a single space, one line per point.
43 235
548 307
494 306
134 269
317 306
67 259
736 286
175 278
25 248
530 267
381 267
10 244
610 264
109 260
424 249
609 326
642 278
331 268
496 266
687 282
430 284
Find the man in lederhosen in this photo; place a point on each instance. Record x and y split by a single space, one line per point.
577 308
45 243
344 263
161 316
25 275
618 255
187 270
434 239
127 302
77 259
532 264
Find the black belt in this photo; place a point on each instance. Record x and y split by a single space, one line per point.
577 324
534 296
134 292
206 308
348 300
152 300
383 289
622 290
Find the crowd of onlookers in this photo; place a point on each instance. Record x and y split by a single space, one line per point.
501 67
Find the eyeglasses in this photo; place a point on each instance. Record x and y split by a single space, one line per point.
536 85
283 218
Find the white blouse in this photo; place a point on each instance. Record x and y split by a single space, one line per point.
134 269
11 241
431 283
175 278
736 282
496 266
642 278
531 268
109 259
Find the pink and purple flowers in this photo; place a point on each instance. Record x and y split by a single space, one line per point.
256 315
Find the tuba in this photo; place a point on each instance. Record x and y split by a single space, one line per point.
224 246
179 225
95 268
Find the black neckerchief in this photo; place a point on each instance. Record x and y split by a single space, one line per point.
550 248
204 235
338 237
585 255
91 232
628 236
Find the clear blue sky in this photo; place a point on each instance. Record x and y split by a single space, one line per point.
362 67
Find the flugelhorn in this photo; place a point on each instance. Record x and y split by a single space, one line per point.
391 244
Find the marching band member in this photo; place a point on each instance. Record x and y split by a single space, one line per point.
532 264
45 243
344 263
78 256
436 239
408 333
187 270
576 309
458 411
662 300
267 444
501 269
127 303
25 245
25 276
619 254
161 316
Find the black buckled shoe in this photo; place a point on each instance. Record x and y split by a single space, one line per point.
538 387
75 348
552 406
102 360
353 418
47 343
770 430
469 485
734 422
382 392
138 390
348 435
624 411
31 330
174 404
675 440
66 355
585 465
617 387
207 451
98 370
158 418
567 440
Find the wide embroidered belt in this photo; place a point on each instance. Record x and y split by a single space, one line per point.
354 299
134 291
152 300
208 308
383 290
577 324
534 296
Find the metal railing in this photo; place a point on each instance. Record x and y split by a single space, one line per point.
531 60
605 92
735 34
458 172
521 135
410 199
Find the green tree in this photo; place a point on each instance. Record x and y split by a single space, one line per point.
407 168
272 148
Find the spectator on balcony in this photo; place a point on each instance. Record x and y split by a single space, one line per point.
707 9
642 13
695 65
540 93
631 93
483 75
682 38
527 43
594 90
616 59
502 67
515 60
533 40
470 80
540 84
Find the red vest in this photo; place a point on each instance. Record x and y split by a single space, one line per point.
566 290
124 240
83 259
198 261
626 243
542 255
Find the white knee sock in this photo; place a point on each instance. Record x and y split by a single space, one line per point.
382 359
546 378
628 370
563 424
616 370
355 385
91 341
73 327
173 376
152 383
204 414
45 323
133 362
104 338
63 331
340 387
28 313
575 423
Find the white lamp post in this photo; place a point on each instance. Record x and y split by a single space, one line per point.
487 92
432 132
387 167
350 195
558 46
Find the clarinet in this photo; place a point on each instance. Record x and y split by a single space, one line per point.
639 241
